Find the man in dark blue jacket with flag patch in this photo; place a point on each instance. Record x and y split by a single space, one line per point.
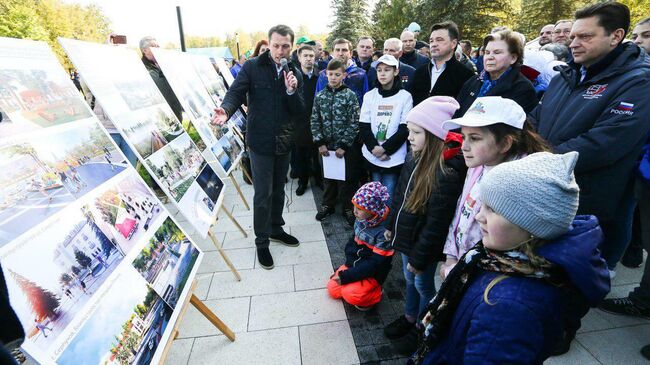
598 105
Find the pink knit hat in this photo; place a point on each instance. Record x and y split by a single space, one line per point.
432 112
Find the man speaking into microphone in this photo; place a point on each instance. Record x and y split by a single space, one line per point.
274 90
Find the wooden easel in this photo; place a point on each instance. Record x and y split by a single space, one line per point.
205 311
223 254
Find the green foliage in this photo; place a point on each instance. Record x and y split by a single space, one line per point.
48 19
537 13
350 20
475 18
390 17
82 259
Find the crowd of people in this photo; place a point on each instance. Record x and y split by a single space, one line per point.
522 167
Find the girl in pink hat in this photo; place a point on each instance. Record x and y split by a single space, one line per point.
423 205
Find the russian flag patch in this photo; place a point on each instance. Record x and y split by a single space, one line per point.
625 106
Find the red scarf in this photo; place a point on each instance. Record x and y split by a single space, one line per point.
453 141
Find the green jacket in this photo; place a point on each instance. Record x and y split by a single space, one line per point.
335 118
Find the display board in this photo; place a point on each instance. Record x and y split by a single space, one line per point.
94 264
216 88
224 70
129 97
222 144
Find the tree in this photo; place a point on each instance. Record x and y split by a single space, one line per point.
350 20
537 13
75 270
390 17
474 18
65 278
48 19
43 302
82 259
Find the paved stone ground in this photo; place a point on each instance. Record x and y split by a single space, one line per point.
603 339
367 327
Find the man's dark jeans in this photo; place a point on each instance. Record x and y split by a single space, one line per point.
641 294
307 164
269 177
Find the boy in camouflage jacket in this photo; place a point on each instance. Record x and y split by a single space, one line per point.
334 127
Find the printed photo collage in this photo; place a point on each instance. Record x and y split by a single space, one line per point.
128 95
191 84
93 263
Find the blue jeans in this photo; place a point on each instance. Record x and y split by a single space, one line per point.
420 289
126 150
388 180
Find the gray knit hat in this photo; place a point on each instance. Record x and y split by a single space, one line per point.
537 193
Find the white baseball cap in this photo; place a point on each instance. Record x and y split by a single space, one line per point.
388 60
488 110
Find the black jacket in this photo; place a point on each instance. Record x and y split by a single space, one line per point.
513 86
448 84
302 124
422 237
161 81
363 263
271 111
414 59
604 118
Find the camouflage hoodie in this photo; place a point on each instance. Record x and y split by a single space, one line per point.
335 118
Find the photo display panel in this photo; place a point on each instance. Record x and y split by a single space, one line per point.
223 146
130 98
94 264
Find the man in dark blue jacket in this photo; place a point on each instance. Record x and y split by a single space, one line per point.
355 77
274 100
598 106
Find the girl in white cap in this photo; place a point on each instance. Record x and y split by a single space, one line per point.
382 124
494 130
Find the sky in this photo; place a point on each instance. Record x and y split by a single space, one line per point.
139 18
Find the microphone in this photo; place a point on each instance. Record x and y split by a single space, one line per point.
285 67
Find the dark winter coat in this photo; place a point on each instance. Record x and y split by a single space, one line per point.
302 125
527 315
414 59
367 255
449 83
512 85
271 111
422 237
161 82
604 118
355 79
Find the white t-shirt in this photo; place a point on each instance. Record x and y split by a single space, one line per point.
385 115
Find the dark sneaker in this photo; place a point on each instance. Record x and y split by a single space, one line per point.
301 189
350 218
264 258
624 306
325 211
633 257
285 239
398 328
407 344
645 352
